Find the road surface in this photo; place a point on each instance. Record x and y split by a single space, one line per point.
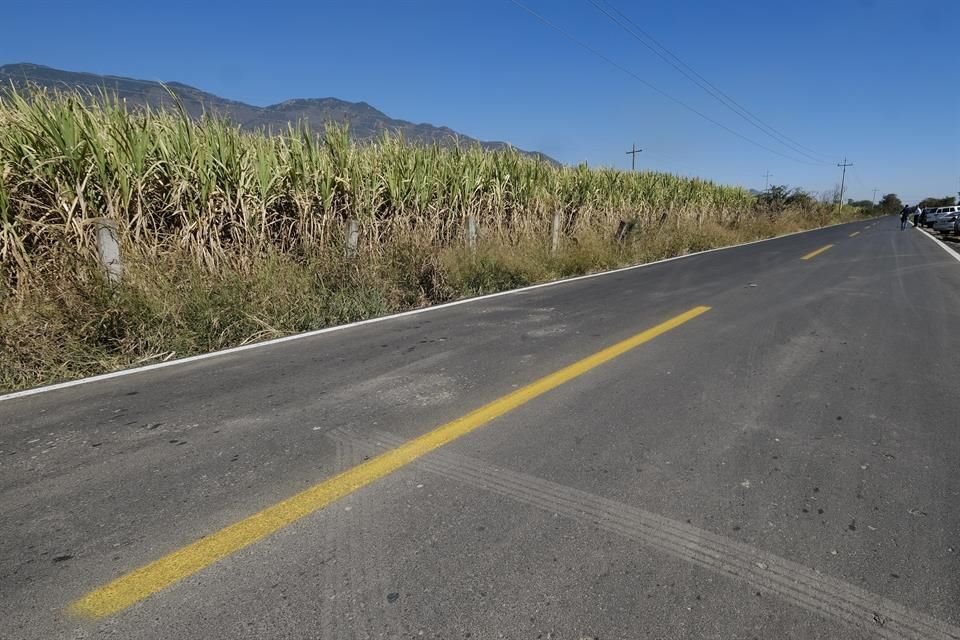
738 444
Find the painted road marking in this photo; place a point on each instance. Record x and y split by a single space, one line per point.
855 233
814 254
943 245
186 561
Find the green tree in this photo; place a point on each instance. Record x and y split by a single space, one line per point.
778 196
937 202
890 203
775 195
800 198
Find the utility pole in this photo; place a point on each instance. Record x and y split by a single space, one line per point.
875 196
766 180
633 156
843 179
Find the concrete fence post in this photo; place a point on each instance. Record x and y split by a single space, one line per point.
624 229
353 235
555 233
108 249
472 233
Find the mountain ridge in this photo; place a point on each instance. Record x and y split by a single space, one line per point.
365 121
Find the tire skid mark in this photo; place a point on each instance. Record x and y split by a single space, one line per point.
335 611
795 583
350 619
326 578
362 561
366 551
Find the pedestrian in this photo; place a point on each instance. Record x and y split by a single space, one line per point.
903 217
916 215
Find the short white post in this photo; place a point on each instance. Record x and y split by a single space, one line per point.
472 233
108 249
555 233
353 235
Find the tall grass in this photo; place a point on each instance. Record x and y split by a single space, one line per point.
224 196
230 236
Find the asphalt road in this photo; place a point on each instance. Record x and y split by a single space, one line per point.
782 465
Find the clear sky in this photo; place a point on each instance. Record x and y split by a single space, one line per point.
877 81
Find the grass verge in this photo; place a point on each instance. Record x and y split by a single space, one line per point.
73 324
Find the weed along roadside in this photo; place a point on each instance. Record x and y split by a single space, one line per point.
227 237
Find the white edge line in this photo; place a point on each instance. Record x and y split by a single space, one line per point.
446 305
943 245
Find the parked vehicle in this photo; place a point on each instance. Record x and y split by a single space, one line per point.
946 219
925 216
934 217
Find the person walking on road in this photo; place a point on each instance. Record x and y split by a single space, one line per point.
916 215
903 217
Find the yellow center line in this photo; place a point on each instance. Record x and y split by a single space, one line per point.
855 233
186 561
814 254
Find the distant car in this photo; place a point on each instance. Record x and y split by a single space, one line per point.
946 219
926 215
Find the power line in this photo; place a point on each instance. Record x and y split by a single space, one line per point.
707 86
856 176
630 73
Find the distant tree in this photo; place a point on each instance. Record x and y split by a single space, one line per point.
775 195
831 196
800 198
890 203
779 196
937 202
862 204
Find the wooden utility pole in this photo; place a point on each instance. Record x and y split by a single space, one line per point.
633 156
843 179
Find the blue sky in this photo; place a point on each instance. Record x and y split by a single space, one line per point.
875 80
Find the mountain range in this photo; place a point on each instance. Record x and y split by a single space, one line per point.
365 121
